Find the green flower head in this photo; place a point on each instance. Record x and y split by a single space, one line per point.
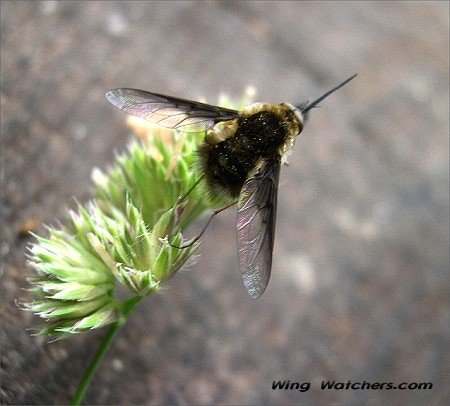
127 237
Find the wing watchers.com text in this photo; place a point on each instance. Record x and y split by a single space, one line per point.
350 385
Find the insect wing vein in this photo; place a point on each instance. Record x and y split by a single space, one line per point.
256 227
171 112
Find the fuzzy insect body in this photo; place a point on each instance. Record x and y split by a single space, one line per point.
240 158
233 150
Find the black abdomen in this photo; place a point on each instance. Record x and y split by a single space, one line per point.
228 163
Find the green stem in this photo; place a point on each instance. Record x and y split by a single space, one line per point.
127 309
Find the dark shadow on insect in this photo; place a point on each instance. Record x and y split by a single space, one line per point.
240 158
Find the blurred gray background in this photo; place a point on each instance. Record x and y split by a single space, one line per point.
360 283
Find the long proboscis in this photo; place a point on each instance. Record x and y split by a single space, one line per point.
309 106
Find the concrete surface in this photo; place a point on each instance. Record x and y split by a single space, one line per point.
360 284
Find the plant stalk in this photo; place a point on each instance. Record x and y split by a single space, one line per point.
127 309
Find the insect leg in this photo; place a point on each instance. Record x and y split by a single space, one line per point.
180 199
195 239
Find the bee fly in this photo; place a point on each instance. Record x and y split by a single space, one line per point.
240 158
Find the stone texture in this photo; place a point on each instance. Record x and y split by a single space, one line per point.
359 288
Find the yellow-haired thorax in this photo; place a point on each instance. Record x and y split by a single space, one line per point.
236 149
289 116
221 131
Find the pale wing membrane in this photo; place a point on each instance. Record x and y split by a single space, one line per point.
255 225
171 112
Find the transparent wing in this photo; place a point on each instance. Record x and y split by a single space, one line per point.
255 225
171 112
